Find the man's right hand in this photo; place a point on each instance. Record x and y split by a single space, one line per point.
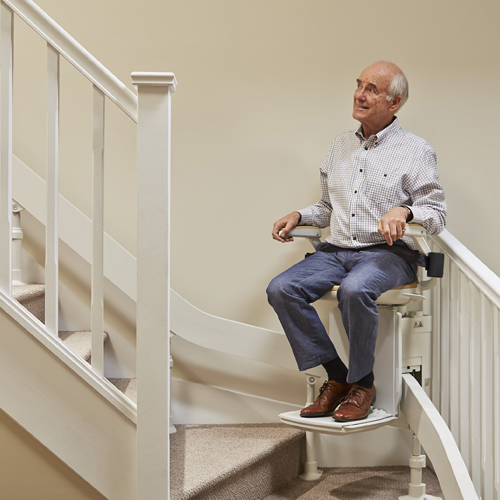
285 225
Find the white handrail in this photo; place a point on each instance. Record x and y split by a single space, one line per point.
478 272
76 54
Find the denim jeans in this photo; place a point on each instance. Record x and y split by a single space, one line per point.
363 276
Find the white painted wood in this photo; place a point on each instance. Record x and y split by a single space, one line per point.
464 371
58 349
6 62
482 276
75 229
65 414
476 325
453 363
487 396
79 57
97 287
437 440
153 283
443 361
496 401
52 227
17 239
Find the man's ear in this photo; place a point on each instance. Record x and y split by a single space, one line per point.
396 102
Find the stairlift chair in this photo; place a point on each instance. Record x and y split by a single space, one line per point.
403 346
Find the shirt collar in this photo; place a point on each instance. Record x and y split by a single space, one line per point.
392 128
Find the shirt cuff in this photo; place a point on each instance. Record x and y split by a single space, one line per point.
418 214
306 217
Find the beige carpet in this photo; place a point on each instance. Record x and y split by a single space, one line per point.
233 462
32 297
357 483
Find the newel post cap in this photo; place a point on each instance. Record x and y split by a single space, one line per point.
150 79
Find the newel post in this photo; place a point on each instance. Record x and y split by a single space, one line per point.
153 283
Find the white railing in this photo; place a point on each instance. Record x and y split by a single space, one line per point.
150 108
466 360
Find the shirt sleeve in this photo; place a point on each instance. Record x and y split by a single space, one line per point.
320 213
427 196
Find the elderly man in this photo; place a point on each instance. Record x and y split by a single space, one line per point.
373 181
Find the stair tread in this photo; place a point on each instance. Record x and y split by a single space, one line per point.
32 297
339 483
80 342
126 385
219 462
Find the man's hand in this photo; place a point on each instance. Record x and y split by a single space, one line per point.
392 225
285 225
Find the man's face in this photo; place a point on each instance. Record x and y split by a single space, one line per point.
371 106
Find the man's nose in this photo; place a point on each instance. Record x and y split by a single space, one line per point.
360 94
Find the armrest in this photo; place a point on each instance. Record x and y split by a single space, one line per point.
312 233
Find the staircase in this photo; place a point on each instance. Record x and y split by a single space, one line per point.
208 462
113 431
247 461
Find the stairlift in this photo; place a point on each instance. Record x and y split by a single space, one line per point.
403 346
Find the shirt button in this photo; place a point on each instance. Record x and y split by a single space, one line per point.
361 170
366 148
353 215
355 192
354 237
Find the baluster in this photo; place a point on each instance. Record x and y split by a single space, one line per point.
487 395
6 60
454 368
464 363
97 295
52 230
476 326
495 394
153 283
17 238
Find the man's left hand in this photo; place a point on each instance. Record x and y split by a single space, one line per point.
392 225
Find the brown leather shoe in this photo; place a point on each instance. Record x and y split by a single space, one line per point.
356 405
329 397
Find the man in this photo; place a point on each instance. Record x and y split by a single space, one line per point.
373 181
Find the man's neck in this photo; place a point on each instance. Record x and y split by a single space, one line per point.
368 132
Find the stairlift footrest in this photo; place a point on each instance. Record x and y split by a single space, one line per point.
326 425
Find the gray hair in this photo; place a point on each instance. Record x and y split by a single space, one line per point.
399 86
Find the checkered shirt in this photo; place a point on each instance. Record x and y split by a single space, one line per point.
362 179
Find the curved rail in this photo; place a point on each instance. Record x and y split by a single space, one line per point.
76 54
431 430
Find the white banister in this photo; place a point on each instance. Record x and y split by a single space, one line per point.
466 356
153 283
6 55
71 50
52 229
97 286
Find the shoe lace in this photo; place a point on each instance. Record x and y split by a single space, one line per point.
353 393
323 387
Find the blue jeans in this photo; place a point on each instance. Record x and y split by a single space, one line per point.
363 276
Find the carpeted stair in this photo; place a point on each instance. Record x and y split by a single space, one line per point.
357 483
244 461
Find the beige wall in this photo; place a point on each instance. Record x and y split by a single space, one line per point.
264 85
